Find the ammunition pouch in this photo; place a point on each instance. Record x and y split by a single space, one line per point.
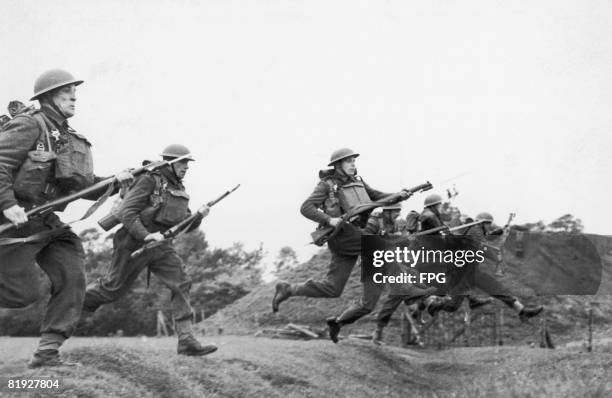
353 195
331 206
112 219
74 165
31 183
174 208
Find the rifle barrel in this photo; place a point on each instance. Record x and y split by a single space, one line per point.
468 225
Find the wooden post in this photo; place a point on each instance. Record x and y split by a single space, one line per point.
445 327
590 343
466 322
500 329
405 334
161 324
494 334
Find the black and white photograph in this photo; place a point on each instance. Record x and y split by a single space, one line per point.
282 198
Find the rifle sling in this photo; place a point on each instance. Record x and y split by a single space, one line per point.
37 237
96 205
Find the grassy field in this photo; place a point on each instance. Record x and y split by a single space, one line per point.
248 366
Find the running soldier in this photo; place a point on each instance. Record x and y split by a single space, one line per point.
156 202
41 159
429 219
482 280
339 190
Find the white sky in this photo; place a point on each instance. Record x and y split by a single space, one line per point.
518 94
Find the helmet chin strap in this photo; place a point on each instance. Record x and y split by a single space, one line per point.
174 172
53 105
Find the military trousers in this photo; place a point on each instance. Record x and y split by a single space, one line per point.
162 261
60 255
364 305
345 249
484 282
340 269
373 290
390 305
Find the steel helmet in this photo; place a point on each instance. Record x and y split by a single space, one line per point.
433 200
51 80
396 206
340 154
484 216
176 151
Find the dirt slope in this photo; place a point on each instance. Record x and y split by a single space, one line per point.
250 367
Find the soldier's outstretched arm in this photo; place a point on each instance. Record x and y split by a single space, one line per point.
135 201
17 139
310 207
374 194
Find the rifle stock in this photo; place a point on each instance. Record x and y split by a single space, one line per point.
321 235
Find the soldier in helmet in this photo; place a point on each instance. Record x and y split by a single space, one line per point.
385 222
41 159
155 202
382 225
484 281
339 189
431 216
371 290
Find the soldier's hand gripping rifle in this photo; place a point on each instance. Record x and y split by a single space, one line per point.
181 226
108 183
322 235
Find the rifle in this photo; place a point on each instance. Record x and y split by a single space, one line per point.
468 225
447 229
321 235
182 225
106 183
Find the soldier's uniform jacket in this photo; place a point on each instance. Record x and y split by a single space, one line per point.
323 203
429 220
155 202
42 158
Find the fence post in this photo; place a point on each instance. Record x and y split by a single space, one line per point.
590 343
405 334
500 328
494 334
466 322
161 324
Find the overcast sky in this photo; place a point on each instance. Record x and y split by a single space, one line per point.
513 97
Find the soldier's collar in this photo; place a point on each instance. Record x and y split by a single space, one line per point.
342 176
58 119
169 175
